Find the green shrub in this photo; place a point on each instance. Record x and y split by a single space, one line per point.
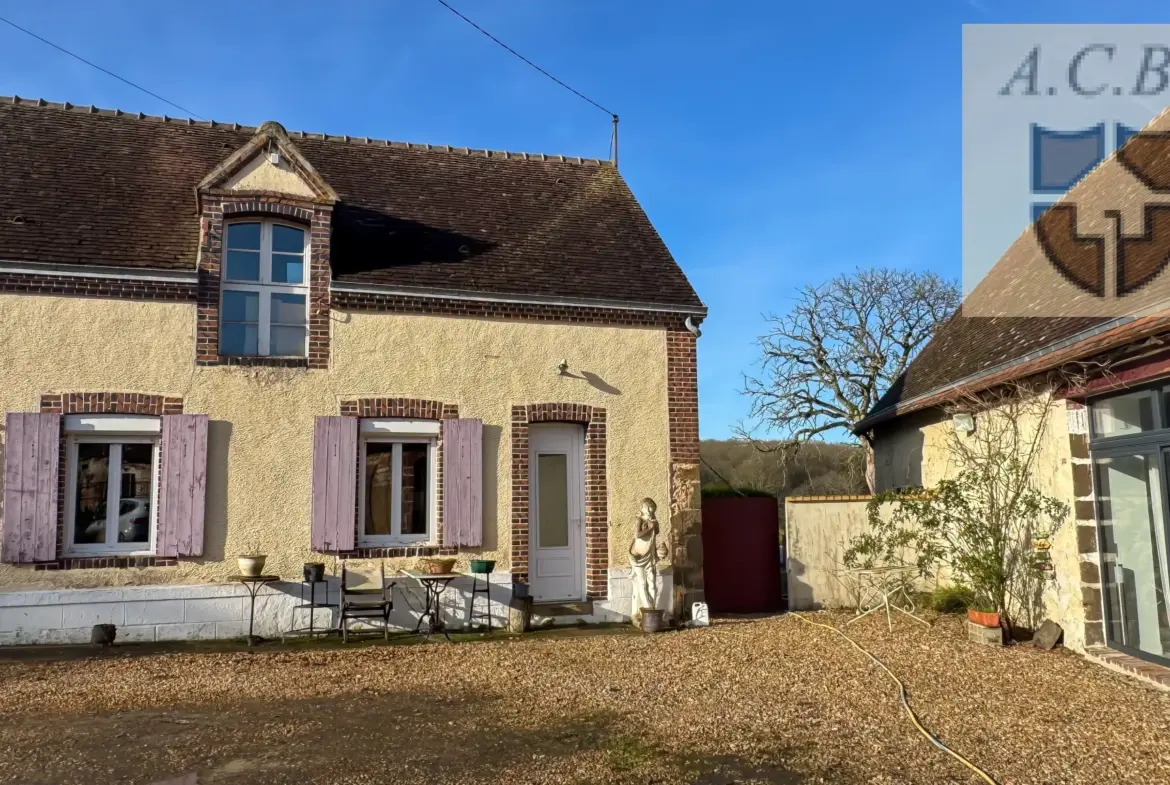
951 599
715 491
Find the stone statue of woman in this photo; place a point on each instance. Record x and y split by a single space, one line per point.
644 555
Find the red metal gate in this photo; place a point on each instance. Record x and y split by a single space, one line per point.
741 554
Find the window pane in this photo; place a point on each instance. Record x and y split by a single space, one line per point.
414 488
287 239
287 341
243 266
238 339
241 306
89 511
243 236
553 501
287 268
1124 414
288 309
1133 553
134 509
379 487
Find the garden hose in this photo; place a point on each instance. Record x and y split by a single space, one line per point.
905 703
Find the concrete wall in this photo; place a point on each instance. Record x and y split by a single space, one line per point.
260 438
817 533
214 611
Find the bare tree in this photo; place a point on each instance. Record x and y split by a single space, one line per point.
827 361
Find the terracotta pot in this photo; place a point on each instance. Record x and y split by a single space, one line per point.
436 566
983 618
251 566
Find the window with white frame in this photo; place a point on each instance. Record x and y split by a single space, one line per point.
265 290
398 489
111 485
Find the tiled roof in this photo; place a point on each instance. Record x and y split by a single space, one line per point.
967 346
83 185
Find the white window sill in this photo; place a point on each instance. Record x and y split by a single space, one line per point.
88 554
395 542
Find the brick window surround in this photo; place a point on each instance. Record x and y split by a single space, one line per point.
596 489
219 207
101 403
409 409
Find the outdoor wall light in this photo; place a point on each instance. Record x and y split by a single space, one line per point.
563 367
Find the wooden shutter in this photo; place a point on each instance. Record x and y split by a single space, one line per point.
335 458
463 482
29 529
182 486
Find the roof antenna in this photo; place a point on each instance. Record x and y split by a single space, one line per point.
614 151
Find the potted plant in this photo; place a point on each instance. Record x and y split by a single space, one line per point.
251 561
984 618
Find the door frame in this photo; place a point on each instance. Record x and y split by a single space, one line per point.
574 450
1155 445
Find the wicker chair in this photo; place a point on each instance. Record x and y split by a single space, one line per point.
364 596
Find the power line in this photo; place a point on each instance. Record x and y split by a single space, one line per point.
103 70
525 59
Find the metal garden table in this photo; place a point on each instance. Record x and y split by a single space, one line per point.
433 585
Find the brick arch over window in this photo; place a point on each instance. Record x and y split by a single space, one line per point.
101 403
218 208
414 409
596 490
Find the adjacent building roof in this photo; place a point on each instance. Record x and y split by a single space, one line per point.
91 186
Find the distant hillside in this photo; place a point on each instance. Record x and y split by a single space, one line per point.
816 469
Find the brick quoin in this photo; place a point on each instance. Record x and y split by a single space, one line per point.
101 403
596 489
682 399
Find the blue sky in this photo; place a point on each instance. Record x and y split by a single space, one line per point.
773 144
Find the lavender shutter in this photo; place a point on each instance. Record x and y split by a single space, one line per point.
182 487
28 532
463 482
334 516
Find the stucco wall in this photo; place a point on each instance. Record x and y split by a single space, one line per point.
260 438
816 535
928 435
261 175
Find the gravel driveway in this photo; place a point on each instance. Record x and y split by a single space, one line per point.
762 701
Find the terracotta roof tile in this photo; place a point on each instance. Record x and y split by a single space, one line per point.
83 185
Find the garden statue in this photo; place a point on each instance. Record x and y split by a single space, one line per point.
645 551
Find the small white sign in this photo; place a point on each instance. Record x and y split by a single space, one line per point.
699 616
1078 420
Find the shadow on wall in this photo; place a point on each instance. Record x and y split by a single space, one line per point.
595 381
898 450
219 436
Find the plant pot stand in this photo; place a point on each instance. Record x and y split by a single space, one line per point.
253 583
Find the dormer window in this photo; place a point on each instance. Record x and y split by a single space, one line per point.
264 290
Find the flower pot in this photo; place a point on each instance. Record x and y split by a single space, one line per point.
436 566
314 572
983 618
652 619
251 566
482 566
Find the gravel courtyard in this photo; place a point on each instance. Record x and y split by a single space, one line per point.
761 701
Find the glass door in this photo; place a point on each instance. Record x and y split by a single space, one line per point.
1132 520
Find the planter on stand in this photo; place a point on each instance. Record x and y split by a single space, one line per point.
251 566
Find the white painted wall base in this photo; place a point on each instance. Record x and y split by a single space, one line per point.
220 611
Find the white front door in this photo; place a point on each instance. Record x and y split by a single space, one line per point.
556 512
